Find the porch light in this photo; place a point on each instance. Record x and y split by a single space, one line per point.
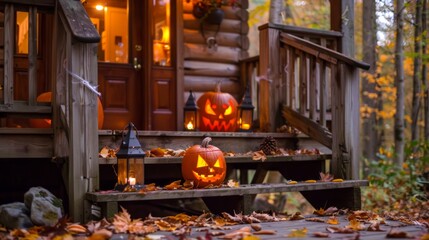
130 161
245 113
190 111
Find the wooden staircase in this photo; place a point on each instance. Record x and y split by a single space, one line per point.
298 67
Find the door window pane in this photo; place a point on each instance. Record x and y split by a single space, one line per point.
161 32
110 18
22 32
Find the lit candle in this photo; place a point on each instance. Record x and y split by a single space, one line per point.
245 126
190 126
132 181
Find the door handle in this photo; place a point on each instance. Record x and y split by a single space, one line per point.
136 64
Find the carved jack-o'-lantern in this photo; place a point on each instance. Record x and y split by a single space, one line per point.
204 164
218 111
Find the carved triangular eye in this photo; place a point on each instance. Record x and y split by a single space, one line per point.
201 162
228 111
208 108
217 163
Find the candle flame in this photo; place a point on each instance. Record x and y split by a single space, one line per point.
190 126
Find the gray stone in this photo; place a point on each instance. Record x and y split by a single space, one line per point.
15 216
45 208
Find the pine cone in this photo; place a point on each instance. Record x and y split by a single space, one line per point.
269 146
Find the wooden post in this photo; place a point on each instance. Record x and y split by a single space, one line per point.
342 16
269 70
75 106
9 25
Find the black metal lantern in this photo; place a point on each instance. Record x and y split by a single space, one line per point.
130 160
190 114
245 113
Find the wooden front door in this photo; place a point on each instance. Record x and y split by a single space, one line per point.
135 77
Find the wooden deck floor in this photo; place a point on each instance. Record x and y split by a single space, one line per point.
284 228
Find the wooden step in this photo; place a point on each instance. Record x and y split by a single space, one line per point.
237 199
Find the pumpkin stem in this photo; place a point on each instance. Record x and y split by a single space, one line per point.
205 142
217 89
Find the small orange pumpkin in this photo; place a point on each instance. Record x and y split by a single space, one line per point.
217 111
46 97
204 165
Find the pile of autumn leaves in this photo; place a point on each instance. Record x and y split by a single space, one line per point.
218 226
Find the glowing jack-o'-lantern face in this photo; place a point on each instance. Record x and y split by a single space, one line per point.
218 112
204 165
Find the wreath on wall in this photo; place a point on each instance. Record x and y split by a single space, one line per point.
210 12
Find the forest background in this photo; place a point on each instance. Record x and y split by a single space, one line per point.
391 36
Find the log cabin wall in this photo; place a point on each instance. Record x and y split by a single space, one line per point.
204 66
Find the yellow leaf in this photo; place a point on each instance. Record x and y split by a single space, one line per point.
311 181
338 180
292 182
298 233
332 220
355 225
251 237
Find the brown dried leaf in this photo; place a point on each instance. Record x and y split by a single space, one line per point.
321 234
297 216
173 186
259 155
158 152
148 188
326 177
237 234
256 227
232 183
165 226
333 229
315 219
265 232
237 218
320 212
374 227
394 233
188 184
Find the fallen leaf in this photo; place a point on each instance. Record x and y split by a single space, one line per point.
355 225
256 227
333 229
232 183
326 177
173 186
338 180
188 184
292 182
374 227
265 232
315 219
320 234
310 181
394 233
259 155
298 233
333 220
237 234
297 216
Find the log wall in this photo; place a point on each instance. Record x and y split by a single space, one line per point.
204 66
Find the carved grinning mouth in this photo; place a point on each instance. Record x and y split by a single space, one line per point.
218 125
208 178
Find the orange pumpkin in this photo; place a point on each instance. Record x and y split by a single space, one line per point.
204 165
217 111
46 97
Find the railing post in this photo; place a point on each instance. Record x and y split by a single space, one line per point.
269 92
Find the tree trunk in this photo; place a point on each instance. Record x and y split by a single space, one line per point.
369 37
399 83
417 71
424 72
276 9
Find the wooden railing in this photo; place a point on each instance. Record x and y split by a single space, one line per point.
74 106
306 81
